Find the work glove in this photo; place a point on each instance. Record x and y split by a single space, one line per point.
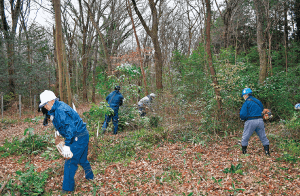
66 152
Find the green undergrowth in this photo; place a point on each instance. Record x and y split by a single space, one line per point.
127 147
31 144
28 182
287 145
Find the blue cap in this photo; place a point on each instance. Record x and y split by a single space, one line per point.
246 91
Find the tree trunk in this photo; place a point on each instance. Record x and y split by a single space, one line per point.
67 77
59 46
139 47
94 72
261 44
285 35
55 64
153 33
158 62
209 57
9 36
84 65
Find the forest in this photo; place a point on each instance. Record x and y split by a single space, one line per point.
196 56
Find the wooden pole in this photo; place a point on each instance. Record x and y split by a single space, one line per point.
20 105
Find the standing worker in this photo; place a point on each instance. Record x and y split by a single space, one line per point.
251 112
145 102
69 124
115 100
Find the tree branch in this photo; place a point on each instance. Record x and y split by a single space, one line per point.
149 32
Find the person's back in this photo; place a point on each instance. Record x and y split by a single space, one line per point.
251 113
252 108
145 101
115 99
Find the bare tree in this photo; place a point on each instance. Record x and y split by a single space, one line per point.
226 16
208 51
262 14
63 73
59 45
138 45
156 12
9 36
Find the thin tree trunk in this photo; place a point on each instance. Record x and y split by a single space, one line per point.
270 54
94 72
67 77
55 63
153 33
208 51
84 65
285 35
59 46
139 47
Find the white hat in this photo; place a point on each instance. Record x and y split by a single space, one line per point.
152 95
45 97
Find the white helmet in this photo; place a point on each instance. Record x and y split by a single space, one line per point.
45 97
152 95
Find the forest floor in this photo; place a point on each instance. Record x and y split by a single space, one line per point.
212 167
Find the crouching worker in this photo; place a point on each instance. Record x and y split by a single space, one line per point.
251 112
69 125
114 100
145 102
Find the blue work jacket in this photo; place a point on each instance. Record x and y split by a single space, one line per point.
115 99
67 121
251 109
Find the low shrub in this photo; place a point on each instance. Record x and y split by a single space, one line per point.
29 182
32 144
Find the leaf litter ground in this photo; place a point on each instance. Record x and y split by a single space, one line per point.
172 169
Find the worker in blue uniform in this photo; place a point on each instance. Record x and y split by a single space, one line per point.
114 100
251 113
69 125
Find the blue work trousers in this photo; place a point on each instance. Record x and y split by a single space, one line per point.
115 120
258 126
79 149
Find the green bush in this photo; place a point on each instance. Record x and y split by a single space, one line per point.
32 144
294 123
127 147
29 182
290 146
128 118
97 114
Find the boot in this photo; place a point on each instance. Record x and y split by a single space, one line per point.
266 147
244 149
